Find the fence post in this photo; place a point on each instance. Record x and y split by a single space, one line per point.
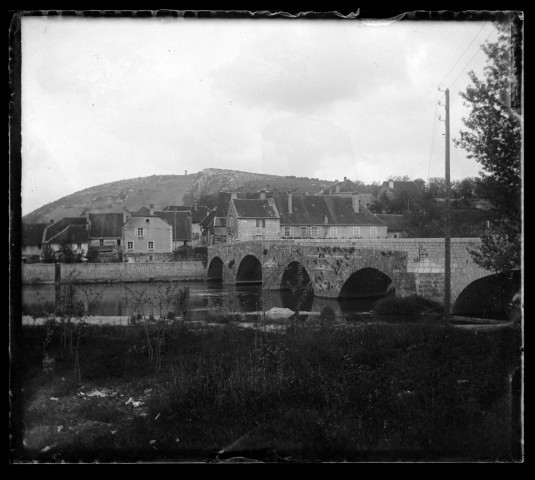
57 284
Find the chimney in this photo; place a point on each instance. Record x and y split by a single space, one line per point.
151 208
356 202
126 215
345 178
391 184
289 202
195 205
262 194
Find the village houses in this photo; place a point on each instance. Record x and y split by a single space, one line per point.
70 232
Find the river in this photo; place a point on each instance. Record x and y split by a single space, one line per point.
119 299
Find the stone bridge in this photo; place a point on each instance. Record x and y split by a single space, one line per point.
349 268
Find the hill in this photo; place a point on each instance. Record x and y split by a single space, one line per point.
163 190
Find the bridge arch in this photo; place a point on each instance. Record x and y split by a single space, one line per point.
249 270
367 283
489 297
215 270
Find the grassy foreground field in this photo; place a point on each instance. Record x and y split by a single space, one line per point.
315 392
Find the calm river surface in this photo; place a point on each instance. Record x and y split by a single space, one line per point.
116 299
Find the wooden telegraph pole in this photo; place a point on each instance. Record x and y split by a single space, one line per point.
447 229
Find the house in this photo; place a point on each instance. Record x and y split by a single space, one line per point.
346 189
181 226
105 236
198 213
147 238
68 232
214 225
397 225
32 241
327 216
252 219
399 190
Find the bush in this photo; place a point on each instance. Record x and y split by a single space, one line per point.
405 308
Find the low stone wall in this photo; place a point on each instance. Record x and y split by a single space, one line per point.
114 272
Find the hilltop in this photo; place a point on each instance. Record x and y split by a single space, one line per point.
163 190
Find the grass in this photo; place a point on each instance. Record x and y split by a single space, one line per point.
405 308
314 392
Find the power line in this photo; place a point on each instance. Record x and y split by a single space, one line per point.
471 58
462 54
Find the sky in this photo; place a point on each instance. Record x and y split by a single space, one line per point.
109 99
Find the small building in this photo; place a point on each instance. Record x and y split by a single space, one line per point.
105 236
181 226
69 231
252 219
197 213
214 225
327 216
395 189
32 241
397 225
147 238
347 188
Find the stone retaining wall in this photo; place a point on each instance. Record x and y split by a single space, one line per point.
114 272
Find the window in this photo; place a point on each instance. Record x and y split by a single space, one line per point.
79 246
101 242
332 232
304 232
140 232
130 245
150 245
150 258
373 231
259 237
356 232
231 222
119 242
260 222
288 231
314 231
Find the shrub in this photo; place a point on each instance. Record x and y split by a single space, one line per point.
405 307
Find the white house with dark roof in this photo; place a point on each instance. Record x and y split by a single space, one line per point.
327 216
252 219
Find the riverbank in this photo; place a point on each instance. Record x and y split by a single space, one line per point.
311 391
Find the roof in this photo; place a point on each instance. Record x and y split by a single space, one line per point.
198 212
410 188
208 220
254 209
104 225
312 210
347 186
32 234
396 223
71 234
55 228
180 223
142 212
222 204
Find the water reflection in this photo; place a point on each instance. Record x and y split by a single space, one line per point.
116 299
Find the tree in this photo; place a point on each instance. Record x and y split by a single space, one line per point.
493 139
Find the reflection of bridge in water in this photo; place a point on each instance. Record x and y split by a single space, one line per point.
348 269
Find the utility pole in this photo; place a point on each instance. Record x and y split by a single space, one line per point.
447 229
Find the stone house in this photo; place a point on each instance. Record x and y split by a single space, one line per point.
105 236
147 238
327 216
181 226
32 241
252 219
197 213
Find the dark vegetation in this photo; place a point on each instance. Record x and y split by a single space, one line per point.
318 391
